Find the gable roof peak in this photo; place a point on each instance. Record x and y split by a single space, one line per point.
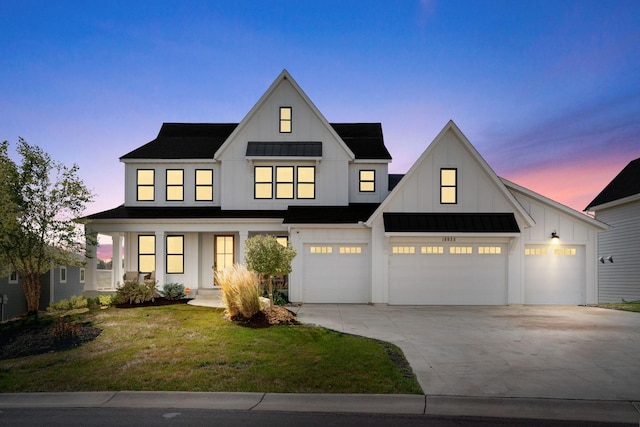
625 185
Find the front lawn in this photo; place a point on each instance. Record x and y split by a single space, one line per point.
187 348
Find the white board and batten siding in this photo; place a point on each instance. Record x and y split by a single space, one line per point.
620 279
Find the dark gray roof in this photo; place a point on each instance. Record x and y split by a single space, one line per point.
351 214
625 184
288 148
394 179
450 223
202 140
293 215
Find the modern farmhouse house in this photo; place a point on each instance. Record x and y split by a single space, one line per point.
448 232
618 205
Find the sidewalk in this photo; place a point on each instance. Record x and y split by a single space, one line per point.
543 409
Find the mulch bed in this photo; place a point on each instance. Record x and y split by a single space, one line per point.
263 319
156 302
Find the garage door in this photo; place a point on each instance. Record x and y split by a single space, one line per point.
336 273
554 274
451 274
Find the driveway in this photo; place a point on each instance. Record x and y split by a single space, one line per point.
563 352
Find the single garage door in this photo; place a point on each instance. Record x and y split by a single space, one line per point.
448 274
554 274
336 273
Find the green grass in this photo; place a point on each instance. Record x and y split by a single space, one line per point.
187 348
624 306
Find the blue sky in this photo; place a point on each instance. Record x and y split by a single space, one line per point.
547 91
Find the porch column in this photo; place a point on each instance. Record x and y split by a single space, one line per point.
244 235
116 259
160 259
90 271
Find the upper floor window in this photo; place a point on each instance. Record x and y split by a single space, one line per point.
63 274
175 254
306 182
263 182
284 182
145 185
448 186
146 253
13 277
204 185
367 181
175 185
82 275
285 119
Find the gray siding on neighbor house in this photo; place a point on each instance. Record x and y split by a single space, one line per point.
17 304
620 279
73 286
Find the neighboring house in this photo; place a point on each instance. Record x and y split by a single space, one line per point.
618 205
56 284
448 232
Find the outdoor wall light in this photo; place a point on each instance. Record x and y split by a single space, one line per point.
610 259
554 235
603 259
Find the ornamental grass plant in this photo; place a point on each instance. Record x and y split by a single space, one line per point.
239 291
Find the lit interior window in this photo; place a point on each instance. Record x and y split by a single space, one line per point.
204 185
535 251
350 249
432 249
146 253
175 190
145 183
175 254
284 182
448 186
285 119
490 250
564 251
321 249
403 250
367 181
264 182
306 182
460 250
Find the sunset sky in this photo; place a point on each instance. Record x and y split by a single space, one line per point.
547 91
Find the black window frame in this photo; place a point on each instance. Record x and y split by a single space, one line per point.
285 120
256 182
195 196
147 254
138 185
454 186
361 181
298 182
170 254
292 182
167 185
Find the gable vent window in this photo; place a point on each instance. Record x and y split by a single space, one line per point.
145 183
367 181
175 185
448 186
204 185
285 119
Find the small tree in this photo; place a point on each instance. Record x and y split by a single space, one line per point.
40 201
264 255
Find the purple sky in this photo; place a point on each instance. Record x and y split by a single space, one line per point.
547 91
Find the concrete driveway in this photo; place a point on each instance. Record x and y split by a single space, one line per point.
561 352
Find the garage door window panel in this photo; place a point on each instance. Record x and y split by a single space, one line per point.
461 250
435 250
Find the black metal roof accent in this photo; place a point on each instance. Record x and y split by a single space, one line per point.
202 140
284 148
183 212
625 184
450 222
351 214
394 179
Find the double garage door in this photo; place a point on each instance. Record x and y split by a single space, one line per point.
447 273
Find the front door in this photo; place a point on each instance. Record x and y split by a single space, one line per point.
222 252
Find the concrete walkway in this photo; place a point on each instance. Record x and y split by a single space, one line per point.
547 352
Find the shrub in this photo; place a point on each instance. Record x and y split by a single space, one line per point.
173 291
105 300
134 292
64 330
279 297
73 303
239 291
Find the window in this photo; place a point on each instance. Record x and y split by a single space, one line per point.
535 251
145 183
403 250
82 273
367 181
175 182
63 274
283 240
306 182
489 250
285 119
564 251
146 253
13 277
460 250
321 249
284 182
350 249
204 185
175 254
263 182
432 250
448 186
